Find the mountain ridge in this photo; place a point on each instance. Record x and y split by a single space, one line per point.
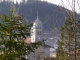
50 14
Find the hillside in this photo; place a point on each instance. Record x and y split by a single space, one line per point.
50 14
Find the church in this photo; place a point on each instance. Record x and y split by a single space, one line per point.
38 33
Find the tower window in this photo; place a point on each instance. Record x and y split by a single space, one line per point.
39 33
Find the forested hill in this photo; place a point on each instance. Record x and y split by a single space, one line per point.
50 14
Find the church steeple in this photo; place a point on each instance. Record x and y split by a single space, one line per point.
37 30
37 16
37 23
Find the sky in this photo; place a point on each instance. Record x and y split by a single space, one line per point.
51 1
65 3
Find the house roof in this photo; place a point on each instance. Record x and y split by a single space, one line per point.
46 46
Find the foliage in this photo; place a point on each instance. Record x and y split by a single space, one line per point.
12 35
59 52
66 43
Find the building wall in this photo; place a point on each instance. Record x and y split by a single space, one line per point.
47 52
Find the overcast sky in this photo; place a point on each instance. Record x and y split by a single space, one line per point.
67 4
51 1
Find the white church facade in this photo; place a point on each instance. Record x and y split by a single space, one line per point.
37 31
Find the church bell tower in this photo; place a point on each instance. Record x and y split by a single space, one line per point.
37 31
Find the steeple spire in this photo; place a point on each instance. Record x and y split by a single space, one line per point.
37 15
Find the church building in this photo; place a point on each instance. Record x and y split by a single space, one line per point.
38 34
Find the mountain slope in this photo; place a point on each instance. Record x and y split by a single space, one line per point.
50 14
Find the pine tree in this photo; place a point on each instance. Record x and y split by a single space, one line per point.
59 52
13 32
66 40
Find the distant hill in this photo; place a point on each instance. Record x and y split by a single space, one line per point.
50 14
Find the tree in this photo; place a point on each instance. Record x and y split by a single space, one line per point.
59 52
66 42
13 32
75 6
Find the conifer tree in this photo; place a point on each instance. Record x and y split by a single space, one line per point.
66 42
59 52
13 32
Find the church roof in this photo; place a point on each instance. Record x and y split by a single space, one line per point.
37 23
